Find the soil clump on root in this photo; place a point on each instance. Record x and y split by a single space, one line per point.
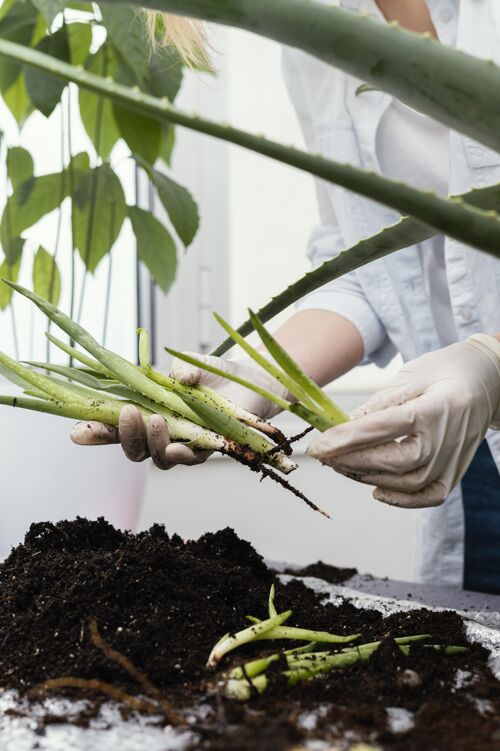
81 600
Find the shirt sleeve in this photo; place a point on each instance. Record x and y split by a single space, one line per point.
345 295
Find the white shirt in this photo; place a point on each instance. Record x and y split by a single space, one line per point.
388 300
413 148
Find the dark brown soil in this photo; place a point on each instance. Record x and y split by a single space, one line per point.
320 570
163 603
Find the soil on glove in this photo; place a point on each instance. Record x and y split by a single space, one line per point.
164 603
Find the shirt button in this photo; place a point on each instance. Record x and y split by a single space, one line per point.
446 15
466 313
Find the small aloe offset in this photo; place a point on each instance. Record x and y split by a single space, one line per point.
312 404
304 662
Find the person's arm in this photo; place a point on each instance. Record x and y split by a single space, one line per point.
415 439
325 344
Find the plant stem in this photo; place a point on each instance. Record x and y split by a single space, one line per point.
93 190
59 222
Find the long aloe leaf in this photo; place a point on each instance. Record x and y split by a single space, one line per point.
269 367
39 381
293 370
75 354
131 376
465 223
449 85
75 411
314 419
408 231
197 362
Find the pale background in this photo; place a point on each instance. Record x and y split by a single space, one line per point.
256 217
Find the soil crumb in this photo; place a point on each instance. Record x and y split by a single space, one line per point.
320 570
162 603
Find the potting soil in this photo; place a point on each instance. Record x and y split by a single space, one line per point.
163 603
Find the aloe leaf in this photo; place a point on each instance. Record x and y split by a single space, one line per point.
192 360
264 363
75 354
243 415
451 86
293 370
41 382
75 411
405 233
463 222
131 376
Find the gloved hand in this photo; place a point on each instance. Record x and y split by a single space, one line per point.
140 442
415 439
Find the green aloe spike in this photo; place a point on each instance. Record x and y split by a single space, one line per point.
308 386
465 223
314 419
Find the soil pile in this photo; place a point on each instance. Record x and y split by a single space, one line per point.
163 603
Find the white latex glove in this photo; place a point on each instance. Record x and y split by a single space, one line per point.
139 442
415 439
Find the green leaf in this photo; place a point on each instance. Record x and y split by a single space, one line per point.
155 246
5 7
17 100
79 40
46 276
17 24
49 9
165 74
31 201
141 134
126 30
10 272
99 210
179 204
20 165
167 144
45 91
97 112
13 250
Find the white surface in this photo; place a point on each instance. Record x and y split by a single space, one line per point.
20 733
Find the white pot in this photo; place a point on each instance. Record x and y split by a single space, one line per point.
45 477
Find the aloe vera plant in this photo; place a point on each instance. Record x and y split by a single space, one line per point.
108 382
304 662
311 403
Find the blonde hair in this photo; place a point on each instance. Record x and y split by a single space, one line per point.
185 34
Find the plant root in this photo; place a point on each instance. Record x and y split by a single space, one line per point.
255 462
141 678
266 472
94 684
